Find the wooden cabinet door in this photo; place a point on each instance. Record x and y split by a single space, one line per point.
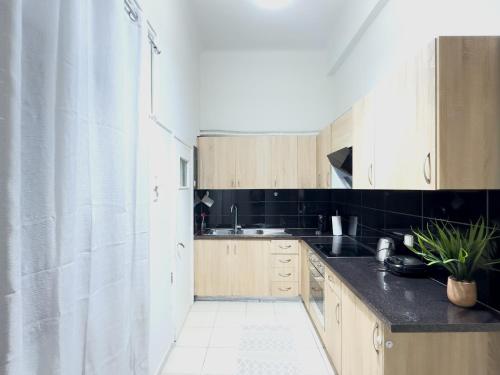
405 137
323 166
253 162
362 335
212 262
284 162
363 143
306 162
342 132
333 316
217 162
250 268
304 274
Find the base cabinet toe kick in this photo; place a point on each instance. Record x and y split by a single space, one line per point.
356 340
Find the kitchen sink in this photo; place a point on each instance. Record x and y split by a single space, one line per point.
248 232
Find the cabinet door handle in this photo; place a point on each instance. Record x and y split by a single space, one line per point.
427 162
285 274
286 289
370 174
227 249
376 338
285 261
275 181
337 310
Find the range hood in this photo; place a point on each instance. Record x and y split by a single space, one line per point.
341 161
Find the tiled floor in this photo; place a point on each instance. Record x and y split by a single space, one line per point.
248 338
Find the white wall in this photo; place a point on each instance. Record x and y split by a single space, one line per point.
178 39
262 91
397 32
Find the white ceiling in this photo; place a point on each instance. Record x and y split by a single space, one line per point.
241 24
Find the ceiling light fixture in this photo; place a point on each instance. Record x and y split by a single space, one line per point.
273 4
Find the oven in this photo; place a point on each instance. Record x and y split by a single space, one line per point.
316 286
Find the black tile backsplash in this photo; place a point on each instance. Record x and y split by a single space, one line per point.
379 212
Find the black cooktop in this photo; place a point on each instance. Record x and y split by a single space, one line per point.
344 246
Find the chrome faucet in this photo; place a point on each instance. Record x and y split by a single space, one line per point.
234 208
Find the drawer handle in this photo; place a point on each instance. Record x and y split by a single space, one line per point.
285 261
285 274
285 247
286 289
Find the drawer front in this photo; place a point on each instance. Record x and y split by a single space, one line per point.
285 289
286 260
333 282
285 274
285 247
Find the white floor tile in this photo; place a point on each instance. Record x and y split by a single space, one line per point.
195 337
230 319
247 338
225 337
205 306
221 361
200 319
260 307
185 360
237 306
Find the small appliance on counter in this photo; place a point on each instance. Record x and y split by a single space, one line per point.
405 265
337 225
385 248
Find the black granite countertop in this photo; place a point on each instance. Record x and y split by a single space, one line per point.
403 304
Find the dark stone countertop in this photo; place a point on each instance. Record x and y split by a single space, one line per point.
403 304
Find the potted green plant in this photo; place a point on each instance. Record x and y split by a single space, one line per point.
462 253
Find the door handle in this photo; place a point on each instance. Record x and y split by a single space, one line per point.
376 340
370 174
337 309
427 162
181 245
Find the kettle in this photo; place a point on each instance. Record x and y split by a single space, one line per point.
385 248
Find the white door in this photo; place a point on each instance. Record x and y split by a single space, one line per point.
162 327
183 254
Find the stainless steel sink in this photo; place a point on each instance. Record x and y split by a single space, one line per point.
248 232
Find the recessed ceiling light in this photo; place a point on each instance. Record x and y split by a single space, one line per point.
273 4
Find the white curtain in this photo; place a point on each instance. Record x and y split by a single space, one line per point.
73 195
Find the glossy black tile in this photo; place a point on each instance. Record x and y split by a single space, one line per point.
315 208
282 195
494 207
281 208
283 221
400 223
458 206
408 202
315 195
373 199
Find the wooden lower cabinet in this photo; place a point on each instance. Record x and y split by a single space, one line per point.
304 274
361 338
333 320
246 268
232 268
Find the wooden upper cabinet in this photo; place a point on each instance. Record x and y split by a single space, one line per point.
342 132
468 112
217 162
284 162
253 167
306 162
323 167
405 139
434 122
363 155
